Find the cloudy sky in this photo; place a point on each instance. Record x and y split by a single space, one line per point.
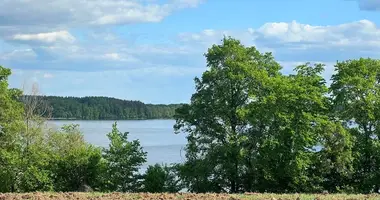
150 50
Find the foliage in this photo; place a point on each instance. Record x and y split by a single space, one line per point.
101 108
74 162
10 127
161 178
250 128
213 120
355 92
289 120
123 159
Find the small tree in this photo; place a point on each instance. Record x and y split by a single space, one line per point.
35 174
74 163
123 158
161 178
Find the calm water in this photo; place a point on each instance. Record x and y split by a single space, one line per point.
156 136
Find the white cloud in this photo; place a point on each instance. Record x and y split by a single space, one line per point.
50 37
27 54
112 56
363 36
354 33
39 16
188 3
209 32
48 75
293 43
288 41
43 28
118 57
153 13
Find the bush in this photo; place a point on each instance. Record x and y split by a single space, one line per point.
74 162
161 178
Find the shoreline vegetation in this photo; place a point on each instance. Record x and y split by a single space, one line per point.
249 128
75 119
102 108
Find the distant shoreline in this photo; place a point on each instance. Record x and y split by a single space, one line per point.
104 108
75 119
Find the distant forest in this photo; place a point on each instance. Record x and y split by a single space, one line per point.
104 108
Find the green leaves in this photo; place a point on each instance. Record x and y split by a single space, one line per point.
161 178
216 118
74 162
123 159
246 119
356 99
249 128
11 126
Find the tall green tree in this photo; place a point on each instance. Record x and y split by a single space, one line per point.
123 159
355 91
11 125
216 130
289 117
251 128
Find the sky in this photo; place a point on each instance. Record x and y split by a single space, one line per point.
151 50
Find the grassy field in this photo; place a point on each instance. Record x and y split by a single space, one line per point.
184 196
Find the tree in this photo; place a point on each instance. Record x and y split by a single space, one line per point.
11 125
161 178
35 174
289 118
251 128
215 127
332 168
123 159
355 91
74 163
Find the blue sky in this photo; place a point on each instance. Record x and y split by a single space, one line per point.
151 50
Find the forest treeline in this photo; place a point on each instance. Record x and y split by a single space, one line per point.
104 108
249 128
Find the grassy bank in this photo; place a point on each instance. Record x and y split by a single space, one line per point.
185 196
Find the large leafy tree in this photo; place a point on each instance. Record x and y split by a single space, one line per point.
216 130
356 95
11 125
251 128
123 159
289 119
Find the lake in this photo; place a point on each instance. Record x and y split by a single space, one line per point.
156 136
